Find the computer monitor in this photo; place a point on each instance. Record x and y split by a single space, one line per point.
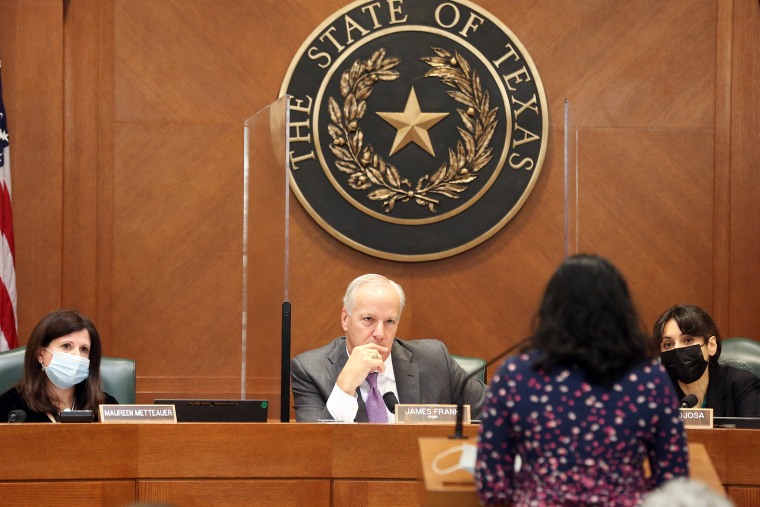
737 422
206 410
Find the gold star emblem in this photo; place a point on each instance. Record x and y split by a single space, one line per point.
412 125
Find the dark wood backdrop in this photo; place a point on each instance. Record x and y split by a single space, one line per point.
126 141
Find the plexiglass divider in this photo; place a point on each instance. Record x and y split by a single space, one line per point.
571 205
266 222
267 262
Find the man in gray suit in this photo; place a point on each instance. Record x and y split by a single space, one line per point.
331 383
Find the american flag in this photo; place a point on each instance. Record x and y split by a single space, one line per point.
8 329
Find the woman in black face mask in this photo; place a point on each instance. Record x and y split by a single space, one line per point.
689 345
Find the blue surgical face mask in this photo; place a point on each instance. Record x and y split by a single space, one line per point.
67 370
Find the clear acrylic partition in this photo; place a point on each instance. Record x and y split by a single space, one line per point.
269 251
266 210
571 202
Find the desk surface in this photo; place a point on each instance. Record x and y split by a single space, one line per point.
202 450
166 460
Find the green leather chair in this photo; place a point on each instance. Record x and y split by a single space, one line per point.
472 365
741 353
118 374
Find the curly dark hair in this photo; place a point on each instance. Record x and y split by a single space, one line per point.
587 319
691 320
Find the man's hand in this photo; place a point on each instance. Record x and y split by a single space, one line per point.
363 359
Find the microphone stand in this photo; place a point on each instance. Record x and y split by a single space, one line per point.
459 425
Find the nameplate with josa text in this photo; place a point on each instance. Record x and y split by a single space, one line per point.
697 417
430 414
152 414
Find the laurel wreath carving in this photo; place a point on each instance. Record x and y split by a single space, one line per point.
367 170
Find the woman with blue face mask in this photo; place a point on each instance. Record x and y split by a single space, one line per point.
689 344
61 370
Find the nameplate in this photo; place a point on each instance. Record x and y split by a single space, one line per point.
697 417
138 414
430 414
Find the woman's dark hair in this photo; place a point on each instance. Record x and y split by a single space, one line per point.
587 319
691 320
33 386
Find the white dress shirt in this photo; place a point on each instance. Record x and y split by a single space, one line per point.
343 406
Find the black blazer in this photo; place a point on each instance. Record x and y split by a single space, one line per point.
11 400
731 392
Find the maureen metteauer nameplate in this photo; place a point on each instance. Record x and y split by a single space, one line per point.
697 417
138 414
430 414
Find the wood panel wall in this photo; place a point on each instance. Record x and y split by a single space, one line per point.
126 130
31 49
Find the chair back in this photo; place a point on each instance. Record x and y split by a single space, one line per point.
11 367
741 353
119 378
472 365
118 374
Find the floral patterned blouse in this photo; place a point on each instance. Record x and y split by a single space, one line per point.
577 443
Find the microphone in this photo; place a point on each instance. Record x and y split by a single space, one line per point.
390 401
688 401
459 427
16 416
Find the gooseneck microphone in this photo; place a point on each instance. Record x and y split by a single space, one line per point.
688 401
390 401
459 427
16 416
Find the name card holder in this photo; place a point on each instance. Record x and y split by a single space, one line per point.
430 414
697 417
446 480
151 414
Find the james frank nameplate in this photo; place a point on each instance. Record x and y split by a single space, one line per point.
430 414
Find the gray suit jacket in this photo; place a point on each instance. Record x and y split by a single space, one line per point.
425 373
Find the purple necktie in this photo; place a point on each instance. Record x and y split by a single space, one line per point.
375 405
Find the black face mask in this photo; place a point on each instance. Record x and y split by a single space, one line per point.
687 364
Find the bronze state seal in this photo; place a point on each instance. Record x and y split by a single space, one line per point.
418 128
